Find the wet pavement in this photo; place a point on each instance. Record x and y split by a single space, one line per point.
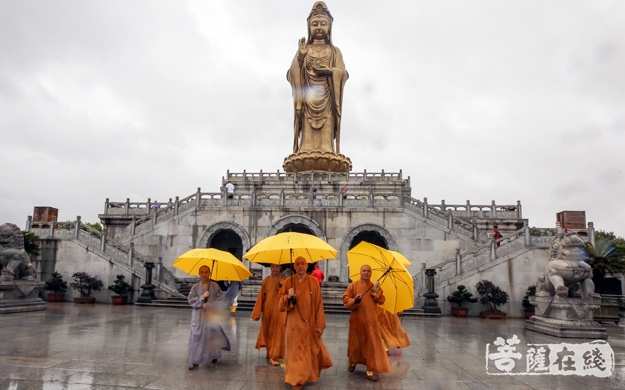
101 346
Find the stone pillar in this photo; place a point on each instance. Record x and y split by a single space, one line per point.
450 221
106 206
133 225
147 206
431 298
468 208
371 197
493 209
154 216
131 252
493 248
458 262
176 205
559 228
127 206
159 264
52 227
147 295
591 232
401 196
198 198
526 233
282 197
77 227
476 234
519 213
103 238
311 194
425 207
29 222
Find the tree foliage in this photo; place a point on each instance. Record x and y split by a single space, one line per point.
56 284
95 226
607 256
30 243
120 287
85 283
460 296
491 296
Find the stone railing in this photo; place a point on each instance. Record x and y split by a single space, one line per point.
315 176
476 257
493 210
123 256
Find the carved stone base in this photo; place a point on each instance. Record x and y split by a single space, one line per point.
566 317
304 161
18 296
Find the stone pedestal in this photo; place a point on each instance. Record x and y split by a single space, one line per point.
18 296
566 317
305 161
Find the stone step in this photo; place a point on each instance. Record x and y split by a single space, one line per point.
330 306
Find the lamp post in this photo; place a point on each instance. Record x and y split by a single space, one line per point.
147 295
431 302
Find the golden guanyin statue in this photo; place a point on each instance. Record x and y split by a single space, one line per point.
317 77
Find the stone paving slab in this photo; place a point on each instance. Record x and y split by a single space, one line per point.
101 346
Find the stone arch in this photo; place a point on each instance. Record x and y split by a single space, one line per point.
308 223
355 231
213 230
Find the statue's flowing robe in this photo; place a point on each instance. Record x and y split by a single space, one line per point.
272 330
207 338
306 354
393 335
317 101
364 344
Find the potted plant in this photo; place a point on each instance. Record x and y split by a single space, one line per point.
460 296
121 290
529 309
57 287
491 296
84 284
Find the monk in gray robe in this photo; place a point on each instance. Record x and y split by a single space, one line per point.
207 338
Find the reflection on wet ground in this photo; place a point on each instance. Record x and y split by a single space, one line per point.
126 347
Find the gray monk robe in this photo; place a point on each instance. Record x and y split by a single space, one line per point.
207 339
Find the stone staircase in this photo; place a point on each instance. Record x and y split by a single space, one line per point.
332 294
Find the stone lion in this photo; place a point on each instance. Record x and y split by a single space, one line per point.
14 261
567 274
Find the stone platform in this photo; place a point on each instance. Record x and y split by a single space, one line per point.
20 296
101 346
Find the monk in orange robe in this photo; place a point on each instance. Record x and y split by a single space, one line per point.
306 354
365 338
393 335
272 330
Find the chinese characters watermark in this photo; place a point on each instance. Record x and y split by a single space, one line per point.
506 355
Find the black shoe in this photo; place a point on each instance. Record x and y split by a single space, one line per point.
192 366
214 361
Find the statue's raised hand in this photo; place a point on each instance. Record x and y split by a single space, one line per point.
303 49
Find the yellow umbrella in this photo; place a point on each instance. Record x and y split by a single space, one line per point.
223 265
401 258
284 248
395 280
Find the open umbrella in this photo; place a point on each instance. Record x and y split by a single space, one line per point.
223 265
387 268
284 248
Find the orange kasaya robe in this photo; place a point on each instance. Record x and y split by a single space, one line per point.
272 329
393 335
364 344
306 354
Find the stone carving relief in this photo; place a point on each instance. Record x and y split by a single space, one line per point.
14 261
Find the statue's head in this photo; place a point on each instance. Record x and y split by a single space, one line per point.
320 23
568 246
11 236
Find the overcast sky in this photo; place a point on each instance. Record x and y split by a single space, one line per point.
474 100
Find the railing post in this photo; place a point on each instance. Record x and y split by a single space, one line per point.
198 198
106 206
468 207
52 226
29 222
282 202
493 248
133 225
371 199
425 207
443 205
401 196
458 262
103 238
475 232
127 206
77 227
400 173
311 194
159 264
493 209
176 205
591 232
526 233
147 206
131 252
519 214
154 215
450 221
